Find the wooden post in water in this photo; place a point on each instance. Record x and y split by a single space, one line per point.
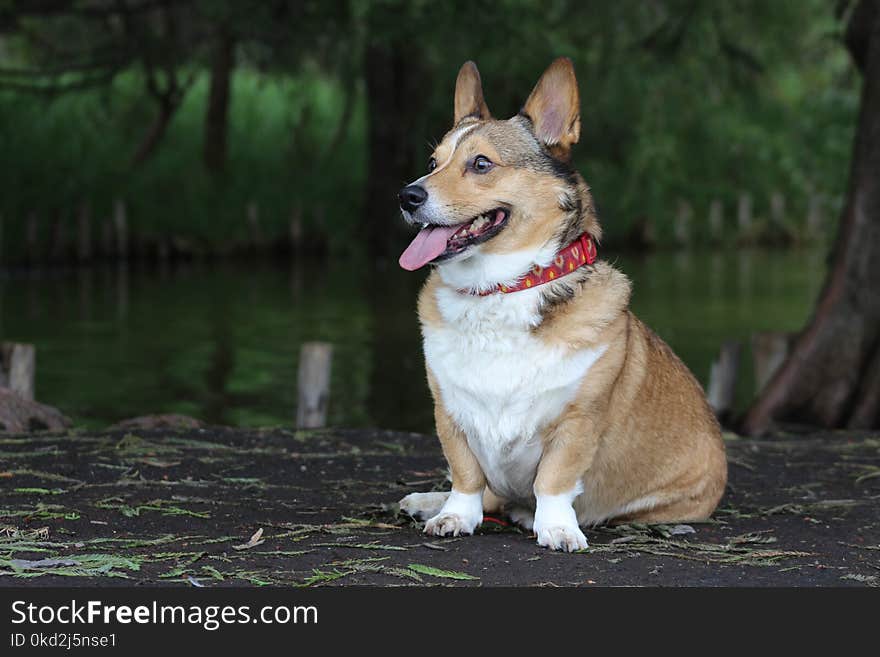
769 350
107 238
744 215
815 217
777 208
120 223
254 228
31 237
721 390
296 228
313 385
17 367
683 215
716 221
84 233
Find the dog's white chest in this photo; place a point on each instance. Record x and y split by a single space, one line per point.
500 384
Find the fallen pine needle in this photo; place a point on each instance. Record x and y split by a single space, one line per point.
255 540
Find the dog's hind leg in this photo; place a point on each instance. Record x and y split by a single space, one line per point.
523 517
422 506
491 502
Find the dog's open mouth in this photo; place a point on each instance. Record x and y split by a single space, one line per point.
436 243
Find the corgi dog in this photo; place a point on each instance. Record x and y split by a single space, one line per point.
553 403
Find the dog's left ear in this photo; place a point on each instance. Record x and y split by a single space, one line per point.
554 108
469 94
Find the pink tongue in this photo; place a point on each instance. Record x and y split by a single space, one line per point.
428 244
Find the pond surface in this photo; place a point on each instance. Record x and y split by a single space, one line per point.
220 341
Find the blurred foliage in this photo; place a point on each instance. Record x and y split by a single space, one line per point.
76 148
681 99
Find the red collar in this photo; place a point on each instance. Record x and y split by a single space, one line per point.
577 254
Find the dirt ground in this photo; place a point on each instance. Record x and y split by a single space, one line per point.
225 507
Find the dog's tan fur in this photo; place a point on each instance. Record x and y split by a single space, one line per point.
639 426
638 435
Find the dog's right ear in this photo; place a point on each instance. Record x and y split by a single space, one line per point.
554 108
469 101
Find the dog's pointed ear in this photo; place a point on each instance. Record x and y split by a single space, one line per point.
554 108
469 94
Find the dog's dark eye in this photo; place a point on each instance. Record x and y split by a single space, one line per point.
432 164
481 164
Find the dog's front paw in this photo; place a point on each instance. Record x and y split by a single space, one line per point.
561 537
461 514
449 524
556 523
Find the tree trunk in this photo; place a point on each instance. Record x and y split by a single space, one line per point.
155 134
216 116
397 86
832 375
19 415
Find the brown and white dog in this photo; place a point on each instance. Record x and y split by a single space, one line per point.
553 403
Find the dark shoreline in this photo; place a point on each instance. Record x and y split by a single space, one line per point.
170 507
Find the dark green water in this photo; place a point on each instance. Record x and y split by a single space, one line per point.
220 341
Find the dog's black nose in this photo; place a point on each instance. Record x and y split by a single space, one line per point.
411 197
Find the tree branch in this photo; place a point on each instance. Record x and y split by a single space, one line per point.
859 29
57 88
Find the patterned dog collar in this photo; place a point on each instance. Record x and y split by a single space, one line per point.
580 252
